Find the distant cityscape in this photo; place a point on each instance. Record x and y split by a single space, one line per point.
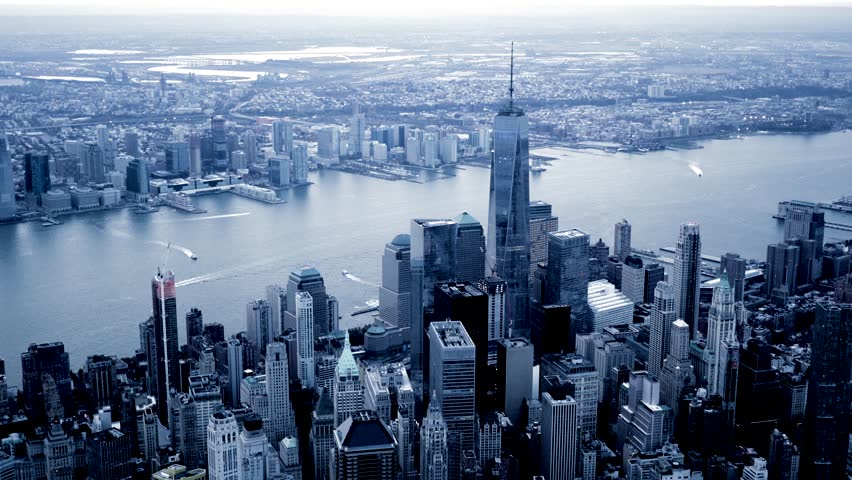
509 347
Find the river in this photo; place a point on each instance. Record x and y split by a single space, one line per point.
87 282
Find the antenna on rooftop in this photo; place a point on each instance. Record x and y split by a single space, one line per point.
512 77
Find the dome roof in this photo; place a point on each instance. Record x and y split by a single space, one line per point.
402 240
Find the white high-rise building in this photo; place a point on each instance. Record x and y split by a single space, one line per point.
662 316
305 338
452 378
558 437
251 447
677 369
687 275
279 422
223 462
348 391
721 327
299 160
496 290
433 444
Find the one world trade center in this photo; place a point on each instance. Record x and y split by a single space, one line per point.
508 209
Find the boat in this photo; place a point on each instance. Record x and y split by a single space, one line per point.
537 168
194 256
345 272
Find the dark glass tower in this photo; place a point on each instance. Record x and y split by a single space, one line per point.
165 338
470 249
829 392
37 174
308 279
508 210
220 143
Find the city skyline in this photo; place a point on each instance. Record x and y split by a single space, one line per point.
397 292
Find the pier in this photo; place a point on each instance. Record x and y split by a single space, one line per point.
706 258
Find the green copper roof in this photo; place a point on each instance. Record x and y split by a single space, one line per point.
465 218
346 365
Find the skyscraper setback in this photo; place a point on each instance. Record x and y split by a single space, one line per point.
508 209
165 339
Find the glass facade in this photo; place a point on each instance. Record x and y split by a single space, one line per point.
508 212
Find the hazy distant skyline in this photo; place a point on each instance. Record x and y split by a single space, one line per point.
377 8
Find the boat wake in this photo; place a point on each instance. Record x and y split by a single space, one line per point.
177 247
216 217
358 279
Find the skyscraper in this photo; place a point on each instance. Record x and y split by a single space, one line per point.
568 275
36 175
676 373
662 316
279 420
805 221
282 136
166 339
433 248
829 392
782 263
558 436
687 275
433 444
195 154
259 324
542 221
220 144
633 279
514 369
299 160
251 449
735 266
470 249
357 132
7 181
721 326
452 374
364 448
279 171
621 243
250 147
39 362
395 292
235 371
308 279
508 209
328 144
598 261
222 447
322 433
177 157
138 177
495 288
469 305
108 455
348 390
305 335
579 374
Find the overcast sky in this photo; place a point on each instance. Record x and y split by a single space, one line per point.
373 8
